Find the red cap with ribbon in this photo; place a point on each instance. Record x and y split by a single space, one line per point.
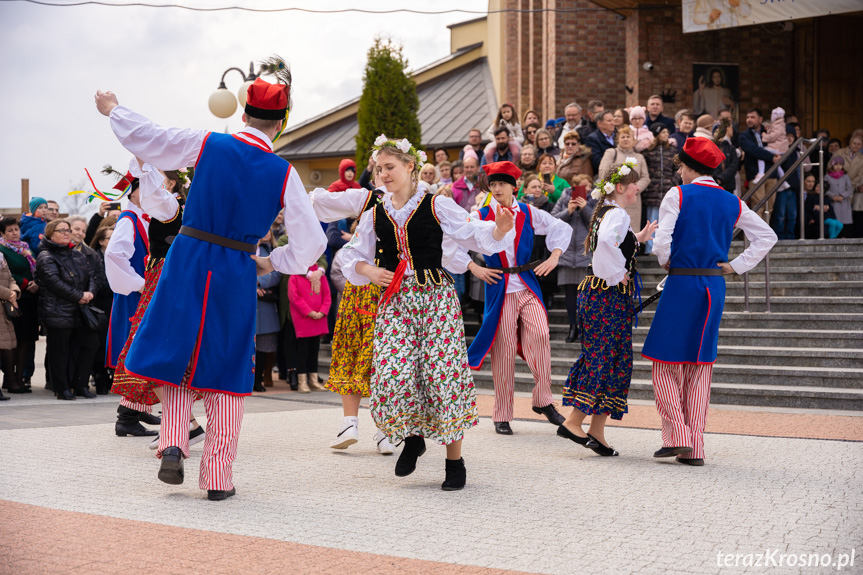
701 154
502 172
125 182
267 101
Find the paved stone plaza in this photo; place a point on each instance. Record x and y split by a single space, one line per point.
77 499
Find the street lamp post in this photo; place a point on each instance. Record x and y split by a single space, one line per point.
222 102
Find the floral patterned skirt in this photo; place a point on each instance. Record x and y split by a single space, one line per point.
351 363
133 388
421 383
598 382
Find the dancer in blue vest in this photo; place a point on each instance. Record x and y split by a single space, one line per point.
696 222
202 315
125 260
515 319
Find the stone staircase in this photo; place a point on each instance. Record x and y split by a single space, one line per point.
806 353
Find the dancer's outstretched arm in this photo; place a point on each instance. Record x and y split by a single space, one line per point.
165 148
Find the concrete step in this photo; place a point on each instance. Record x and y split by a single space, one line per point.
808 246
849 272
721 393
782 260
559 323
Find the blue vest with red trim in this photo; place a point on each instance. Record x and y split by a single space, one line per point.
202 317
125 305
495 294
685 328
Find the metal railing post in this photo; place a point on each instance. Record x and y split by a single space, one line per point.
767 272
801 215
745 280
821 188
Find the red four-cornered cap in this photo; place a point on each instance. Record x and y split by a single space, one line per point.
502 172
703 151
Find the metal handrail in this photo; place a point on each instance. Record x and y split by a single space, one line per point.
776 165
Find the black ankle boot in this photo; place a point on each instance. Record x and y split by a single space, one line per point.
573 333
456 475
293 380
414 447
128 424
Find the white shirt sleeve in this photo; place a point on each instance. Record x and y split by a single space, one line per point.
608 261
306 238
122 277
669 210
155 199
335 206
557 232
360 248
166 148
761 238
469 232
455 258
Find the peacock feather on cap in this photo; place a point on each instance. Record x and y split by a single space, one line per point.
276 66
107 170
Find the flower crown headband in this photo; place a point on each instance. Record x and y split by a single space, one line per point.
402 145
605 187
184 178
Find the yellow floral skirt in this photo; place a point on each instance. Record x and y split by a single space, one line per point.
353 338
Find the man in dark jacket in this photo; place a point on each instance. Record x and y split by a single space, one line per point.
602 139
594 109
655 107
753 148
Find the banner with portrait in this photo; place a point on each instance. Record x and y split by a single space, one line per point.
715 87
700 15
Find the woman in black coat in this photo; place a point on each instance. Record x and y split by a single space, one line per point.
64 276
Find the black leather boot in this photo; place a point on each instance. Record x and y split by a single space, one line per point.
128 424
293 379
259 372
414 447
573 333
171 470
456 475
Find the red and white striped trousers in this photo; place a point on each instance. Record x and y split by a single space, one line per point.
522 317
136 406
224 419
682 392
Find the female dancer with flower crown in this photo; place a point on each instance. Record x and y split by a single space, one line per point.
598 382
421 386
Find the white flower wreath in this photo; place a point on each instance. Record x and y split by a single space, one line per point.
606 187
402 145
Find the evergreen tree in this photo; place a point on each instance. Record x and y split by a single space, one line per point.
389 103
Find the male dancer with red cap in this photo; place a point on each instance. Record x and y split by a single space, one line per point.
202 315
515 319
696 222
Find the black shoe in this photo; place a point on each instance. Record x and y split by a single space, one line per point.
124 428
502 427
149 418
414 447
562 431
86 393
171 470
456 475
693 462
216 495
672 451
49 387
20 389
294 380
65 394
25 381
4 397
601 449
259 387
573 334
551 414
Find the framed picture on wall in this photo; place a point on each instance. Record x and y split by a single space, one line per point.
715 87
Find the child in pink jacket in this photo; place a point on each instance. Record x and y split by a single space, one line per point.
774 141
309 314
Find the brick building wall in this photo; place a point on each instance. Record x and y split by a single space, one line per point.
765 60
553 58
